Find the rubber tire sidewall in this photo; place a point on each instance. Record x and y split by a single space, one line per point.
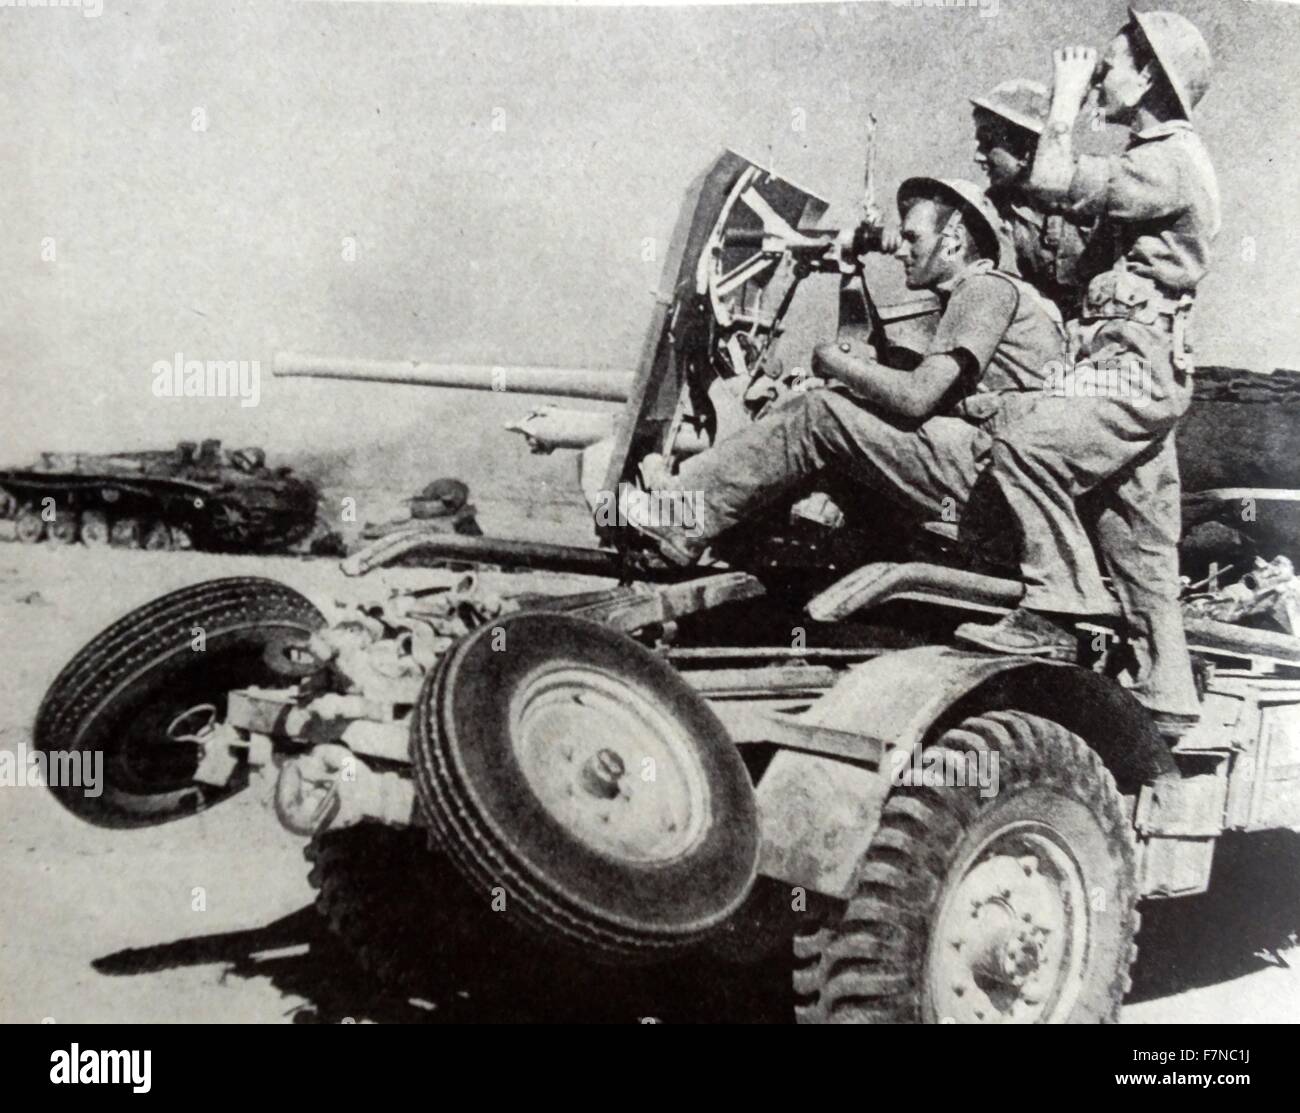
131 657
870 962
687 895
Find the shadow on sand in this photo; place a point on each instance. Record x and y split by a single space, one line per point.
1246 922
503 981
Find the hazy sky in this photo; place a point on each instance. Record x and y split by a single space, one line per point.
374 123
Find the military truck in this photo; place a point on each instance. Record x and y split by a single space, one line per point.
195 496
782 750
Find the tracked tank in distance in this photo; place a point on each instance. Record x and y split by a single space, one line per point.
192 496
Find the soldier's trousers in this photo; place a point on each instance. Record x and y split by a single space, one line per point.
931 467
1121 447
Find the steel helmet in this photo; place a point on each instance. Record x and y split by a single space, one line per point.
1181 51
1021 101
976 209
442 496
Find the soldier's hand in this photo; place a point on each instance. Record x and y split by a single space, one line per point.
1072 71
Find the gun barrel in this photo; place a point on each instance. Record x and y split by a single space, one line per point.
563 382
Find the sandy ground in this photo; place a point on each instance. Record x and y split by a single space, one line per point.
104 926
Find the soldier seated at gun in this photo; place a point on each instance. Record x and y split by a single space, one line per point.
918 436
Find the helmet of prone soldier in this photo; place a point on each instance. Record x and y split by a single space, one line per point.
977 211
1181 51
1021 101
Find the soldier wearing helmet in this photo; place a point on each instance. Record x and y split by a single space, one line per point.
918 435
1158 210
1045 246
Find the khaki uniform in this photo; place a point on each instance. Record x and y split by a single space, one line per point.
1158 207
1007 339
1046 247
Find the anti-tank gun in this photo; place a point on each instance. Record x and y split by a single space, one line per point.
710 362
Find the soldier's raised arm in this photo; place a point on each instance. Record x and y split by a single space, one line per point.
1073 69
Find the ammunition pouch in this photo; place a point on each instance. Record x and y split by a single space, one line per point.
1125 296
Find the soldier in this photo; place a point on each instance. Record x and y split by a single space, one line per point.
896 431
1158 207
1045 246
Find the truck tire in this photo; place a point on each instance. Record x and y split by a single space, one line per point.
1015 908
762 928
402 911
120 692
574 775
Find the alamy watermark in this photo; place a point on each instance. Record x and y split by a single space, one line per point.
987 8
91 9
1124 378
86 1066
670 508
29 768
213 378
939 768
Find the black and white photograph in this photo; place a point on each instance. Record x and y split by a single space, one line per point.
650 514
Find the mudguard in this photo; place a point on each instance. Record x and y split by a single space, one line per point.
819 815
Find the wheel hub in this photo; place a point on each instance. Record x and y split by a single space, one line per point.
602 773
1011 934
608 765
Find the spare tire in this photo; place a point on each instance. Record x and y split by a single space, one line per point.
579 781
118 695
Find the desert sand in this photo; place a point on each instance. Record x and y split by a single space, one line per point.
101 925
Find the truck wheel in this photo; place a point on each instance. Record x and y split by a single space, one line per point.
119 694
400 909
1015 908
573 774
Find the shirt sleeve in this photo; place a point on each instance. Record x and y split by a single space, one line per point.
977 317
1144 183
